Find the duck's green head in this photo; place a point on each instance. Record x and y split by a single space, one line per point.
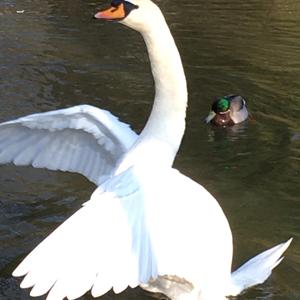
221 105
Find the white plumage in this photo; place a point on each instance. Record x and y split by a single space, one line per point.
82 139
146 224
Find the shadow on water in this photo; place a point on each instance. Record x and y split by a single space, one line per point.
54 55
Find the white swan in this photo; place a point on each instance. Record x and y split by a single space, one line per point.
146 224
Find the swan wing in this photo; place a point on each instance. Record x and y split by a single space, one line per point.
134 228
103 245
82 139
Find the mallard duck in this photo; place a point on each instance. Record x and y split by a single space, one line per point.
228 111
146 223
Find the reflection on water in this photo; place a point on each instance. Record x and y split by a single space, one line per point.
54 55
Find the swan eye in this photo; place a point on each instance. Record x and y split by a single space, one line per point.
116 3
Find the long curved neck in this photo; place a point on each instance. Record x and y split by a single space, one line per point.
167 118
161 137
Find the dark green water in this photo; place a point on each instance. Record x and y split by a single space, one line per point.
54 55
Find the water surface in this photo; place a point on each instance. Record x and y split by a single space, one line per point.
53 55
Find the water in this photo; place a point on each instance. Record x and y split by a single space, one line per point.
54 55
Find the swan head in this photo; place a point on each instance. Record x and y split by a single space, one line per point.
140 15
227 111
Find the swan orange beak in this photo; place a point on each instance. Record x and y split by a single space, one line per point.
112 13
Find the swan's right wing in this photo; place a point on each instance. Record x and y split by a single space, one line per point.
82 139
257 269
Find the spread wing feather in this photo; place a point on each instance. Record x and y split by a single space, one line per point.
103 245
82 139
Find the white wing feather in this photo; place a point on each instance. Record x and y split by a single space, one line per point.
134 228
103 245
82 139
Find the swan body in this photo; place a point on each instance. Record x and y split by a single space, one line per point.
228 111
146 223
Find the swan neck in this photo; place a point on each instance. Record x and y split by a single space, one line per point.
160 139
166 123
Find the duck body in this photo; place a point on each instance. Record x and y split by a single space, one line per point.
146 223
228 111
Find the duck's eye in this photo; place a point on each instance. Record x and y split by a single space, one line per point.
116 3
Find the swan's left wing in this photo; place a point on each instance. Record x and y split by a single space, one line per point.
103 245
82 139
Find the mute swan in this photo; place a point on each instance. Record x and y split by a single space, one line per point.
227 111
146 224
